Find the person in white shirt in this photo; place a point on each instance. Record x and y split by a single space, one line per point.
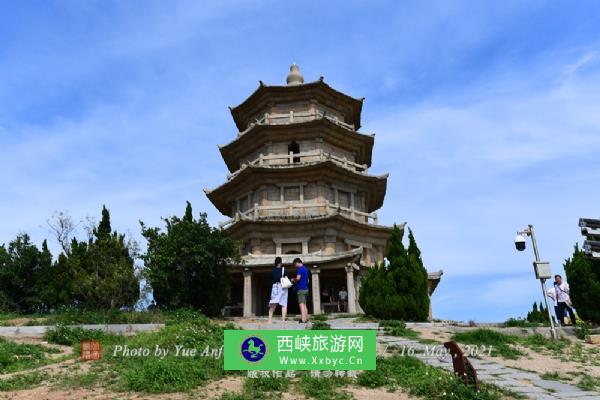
563 299
552 294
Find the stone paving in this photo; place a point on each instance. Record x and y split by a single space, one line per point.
526 383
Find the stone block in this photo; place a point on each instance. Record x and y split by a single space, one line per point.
593 339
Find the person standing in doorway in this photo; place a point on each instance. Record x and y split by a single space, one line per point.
279 294
563 299
343 303
301 280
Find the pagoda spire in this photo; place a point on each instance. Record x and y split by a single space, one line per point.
294 77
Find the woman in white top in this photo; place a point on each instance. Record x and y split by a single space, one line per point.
279 294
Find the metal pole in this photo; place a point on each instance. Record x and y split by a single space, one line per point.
543 282
535 249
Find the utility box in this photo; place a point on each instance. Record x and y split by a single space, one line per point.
542 270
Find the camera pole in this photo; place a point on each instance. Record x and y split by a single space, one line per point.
529 232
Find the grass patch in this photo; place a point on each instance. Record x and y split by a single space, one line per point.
320 325
319 317
538 342
68 336
264 387
588 383
78 380
398 328
74 316
365 318
324 388
22 381
171 373
150 373
551 376
17 356
425 381
501 343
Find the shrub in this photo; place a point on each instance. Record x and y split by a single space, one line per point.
538 314
519 323
70 336
398 290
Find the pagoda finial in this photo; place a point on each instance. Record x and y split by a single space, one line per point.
294 77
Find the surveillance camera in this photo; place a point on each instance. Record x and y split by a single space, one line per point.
520 242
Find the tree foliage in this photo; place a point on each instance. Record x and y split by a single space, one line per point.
398 290
96 274
583 275
104 268
187 265
21 264
538 314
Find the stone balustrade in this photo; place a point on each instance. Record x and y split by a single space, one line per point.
301 159
303 210
295 117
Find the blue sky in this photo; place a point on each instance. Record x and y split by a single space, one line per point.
486 115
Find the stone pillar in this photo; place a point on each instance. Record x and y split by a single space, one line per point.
247 293
430 317
351 289
357 284
316 290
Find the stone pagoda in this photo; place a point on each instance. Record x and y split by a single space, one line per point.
299 186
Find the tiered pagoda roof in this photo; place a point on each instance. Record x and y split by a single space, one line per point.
319 91
253 138
252 176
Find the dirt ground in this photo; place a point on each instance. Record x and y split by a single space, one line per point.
538 362
533 361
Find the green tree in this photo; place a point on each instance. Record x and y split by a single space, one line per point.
104 268
583 275
538 314
188 264
44 278
21 265
400 289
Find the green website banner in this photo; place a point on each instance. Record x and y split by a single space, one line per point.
275 350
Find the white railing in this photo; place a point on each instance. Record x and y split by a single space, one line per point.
301 210
294 117
301 159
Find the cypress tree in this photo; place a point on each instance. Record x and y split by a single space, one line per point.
104 228
399 291
583 275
